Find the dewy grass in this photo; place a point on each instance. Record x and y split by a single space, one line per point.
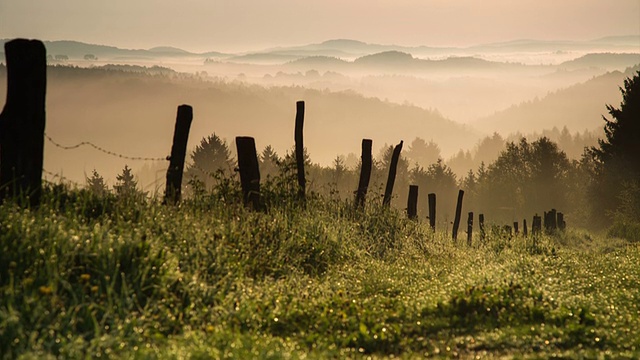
86 276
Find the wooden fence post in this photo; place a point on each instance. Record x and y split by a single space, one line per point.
562 225
524 227
553 219
391 179
249 171
432 211
516 229
536 227
365 172
456 221
22 120
481 223
173 188
469 228
412 202
302 183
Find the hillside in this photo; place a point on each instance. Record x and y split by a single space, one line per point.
134 113
578 107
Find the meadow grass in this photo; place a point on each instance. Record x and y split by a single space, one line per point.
86 276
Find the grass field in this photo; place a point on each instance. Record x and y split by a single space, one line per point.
84 276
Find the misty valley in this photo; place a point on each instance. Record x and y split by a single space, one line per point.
334 249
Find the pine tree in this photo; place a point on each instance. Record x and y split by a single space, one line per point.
617 167
96 184
125 183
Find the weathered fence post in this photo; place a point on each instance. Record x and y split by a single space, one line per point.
412 202
516 229
524 228
173 188
22 120
432 211
302 182
481 223
391 179
562 225
536 227
469 228
456 221
249 171
365 172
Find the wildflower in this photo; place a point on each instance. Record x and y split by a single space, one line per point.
45 290
85 277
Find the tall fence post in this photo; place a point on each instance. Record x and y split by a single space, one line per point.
22 120
249 171
365 172
302 182
391 179
173 188
456 221
481 225
412 202
432 211
470 228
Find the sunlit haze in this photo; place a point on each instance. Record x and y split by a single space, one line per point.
231 25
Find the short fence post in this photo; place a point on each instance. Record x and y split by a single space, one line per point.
562 225
469 228
249 171
536 227
391 179
173 188
432 211
481 223
553 220
524 228
412 202
300 149
456 221
515 228
365 172
22 120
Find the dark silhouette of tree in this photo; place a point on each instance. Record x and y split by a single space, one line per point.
269 162
210 158
125 185
96 184
616 158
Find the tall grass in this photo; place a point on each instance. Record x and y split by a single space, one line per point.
86 276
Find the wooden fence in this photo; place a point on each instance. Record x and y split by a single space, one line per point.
22 124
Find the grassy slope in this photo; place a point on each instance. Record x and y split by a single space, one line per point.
84 276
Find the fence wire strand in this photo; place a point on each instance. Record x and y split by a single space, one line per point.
103 150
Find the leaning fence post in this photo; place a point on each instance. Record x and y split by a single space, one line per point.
249 171
391 179
481 224
456 221
173 187
432 211
22 120
412 202
365 172
470 228
300 149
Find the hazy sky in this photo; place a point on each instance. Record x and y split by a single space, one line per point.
233 25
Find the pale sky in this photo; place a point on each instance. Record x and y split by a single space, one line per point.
236 25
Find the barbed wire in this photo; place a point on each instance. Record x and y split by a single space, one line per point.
112 153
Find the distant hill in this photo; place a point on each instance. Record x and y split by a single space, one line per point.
77 50
606 61
264 58
134 113
578 107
